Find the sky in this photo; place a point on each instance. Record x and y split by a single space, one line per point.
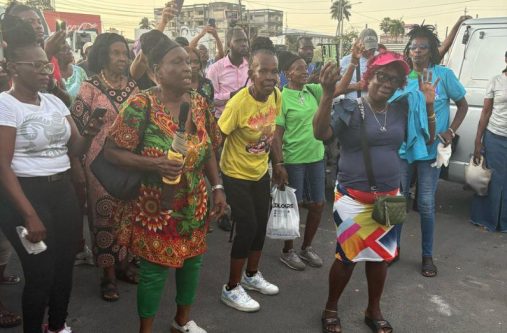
126 14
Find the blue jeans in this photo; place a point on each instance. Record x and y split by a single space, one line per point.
427 180
309 181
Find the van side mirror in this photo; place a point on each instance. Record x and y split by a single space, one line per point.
466 36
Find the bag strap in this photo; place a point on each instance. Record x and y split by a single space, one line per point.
366 149
358 79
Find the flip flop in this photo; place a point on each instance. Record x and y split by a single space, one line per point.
10 280
377 325
9 319
428 269
327 322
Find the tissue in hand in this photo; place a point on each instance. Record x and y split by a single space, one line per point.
31 248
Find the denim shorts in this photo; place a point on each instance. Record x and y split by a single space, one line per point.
309 181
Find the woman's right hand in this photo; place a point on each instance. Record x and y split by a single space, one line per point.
170 168
36 229
329 75
478 153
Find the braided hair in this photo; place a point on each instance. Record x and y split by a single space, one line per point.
18 35
428 32
261 45
286 59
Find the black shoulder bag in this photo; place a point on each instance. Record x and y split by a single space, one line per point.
120 182
387 210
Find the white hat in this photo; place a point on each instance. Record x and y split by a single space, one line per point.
369 39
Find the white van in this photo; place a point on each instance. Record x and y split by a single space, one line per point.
476 55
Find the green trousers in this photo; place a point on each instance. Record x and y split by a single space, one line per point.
152 279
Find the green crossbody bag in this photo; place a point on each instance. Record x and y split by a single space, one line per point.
387 210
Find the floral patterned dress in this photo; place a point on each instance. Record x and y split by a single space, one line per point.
101 205
160 236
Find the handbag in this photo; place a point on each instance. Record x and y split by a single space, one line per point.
387 210
120 182
478 176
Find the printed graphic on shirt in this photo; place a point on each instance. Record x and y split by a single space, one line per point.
52 128
263 123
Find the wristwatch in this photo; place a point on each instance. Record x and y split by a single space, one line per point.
217 187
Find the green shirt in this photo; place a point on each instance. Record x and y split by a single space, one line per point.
298 109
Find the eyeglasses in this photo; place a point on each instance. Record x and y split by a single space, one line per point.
383 78
422 47
41 67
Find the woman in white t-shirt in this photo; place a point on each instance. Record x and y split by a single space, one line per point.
490 211
38 135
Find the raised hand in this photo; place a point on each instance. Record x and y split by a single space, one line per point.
329 75
357 50
426 87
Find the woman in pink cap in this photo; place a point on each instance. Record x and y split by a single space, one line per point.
385 124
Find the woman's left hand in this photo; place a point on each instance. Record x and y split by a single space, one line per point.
219 204
329 75
426 87
93 127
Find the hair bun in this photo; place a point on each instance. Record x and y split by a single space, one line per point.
262 43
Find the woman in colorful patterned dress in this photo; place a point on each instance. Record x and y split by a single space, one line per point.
108 90
359 236
176 238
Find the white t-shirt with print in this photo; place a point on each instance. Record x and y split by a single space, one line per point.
497 90
42 133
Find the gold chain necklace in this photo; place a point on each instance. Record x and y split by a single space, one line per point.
103 77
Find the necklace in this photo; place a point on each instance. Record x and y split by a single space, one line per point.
383 128
301 98
103 77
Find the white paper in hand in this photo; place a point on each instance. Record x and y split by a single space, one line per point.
283 220
31 248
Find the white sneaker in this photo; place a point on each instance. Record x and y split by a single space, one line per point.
238 299
84 257
190 327
66 329
258 283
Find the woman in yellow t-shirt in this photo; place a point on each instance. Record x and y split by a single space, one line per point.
248 123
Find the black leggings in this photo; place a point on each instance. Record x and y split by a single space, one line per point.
249 201
48 275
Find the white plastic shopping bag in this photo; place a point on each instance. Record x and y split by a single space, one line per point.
283 220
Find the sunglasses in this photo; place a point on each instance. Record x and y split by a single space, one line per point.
41 67
422 47
383 78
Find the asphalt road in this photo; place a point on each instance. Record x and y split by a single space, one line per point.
469 295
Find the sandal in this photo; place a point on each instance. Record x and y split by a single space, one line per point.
109 290
329 322
9 319
128 274
378 325
428 269
10 280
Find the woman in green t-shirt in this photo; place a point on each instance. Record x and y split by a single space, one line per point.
302 166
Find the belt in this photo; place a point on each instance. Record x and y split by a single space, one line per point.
48 179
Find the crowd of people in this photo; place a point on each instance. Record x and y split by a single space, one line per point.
248 107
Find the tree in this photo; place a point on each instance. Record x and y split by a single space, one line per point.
348 39
385 25
40 4
341 9
397 28
145 23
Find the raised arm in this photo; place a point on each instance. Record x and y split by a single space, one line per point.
343 85
169 12
446 44
329 76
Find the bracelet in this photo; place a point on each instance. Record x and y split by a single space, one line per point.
452 132
279 163
217 187
432 116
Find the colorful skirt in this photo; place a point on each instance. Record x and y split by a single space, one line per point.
358 236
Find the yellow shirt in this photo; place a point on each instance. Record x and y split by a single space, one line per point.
249 126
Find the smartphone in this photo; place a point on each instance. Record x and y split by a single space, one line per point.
97 113
61 26
212 22
2 58
179 5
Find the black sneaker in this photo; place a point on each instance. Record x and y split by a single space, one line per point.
225 223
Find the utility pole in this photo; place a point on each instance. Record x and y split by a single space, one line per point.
340 50
466 11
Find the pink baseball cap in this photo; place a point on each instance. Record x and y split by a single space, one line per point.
390 57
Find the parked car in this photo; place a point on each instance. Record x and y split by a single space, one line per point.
476 55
